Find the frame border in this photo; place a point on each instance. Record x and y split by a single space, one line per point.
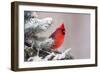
15 34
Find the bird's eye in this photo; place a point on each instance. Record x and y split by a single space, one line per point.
63 31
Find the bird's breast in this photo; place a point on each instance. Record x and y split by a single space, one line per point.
59 39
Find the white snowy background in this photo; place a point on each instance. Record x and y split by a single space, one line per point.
5 36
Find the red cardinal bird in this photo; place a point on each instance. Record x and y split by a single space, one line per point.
58 37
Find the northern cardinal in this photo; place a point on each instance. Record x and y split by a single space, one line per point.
58 37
